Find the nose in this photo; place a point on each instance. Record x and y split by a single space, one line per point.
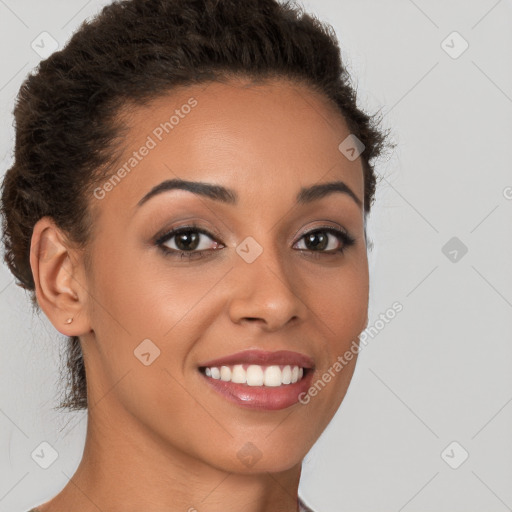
266 292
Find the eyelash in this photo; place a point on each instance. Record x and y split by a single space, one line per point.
346 239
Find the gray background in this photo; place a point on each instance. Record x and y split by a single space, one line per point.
439 372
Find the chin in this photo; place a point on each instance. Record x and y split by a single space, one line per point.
260 456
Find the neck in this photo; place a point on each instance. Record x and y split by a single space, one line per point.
125 468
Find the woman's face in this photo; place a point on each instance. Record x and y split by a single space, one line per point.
264 280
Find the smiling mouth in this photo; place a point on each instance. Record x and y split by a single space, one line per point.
254 375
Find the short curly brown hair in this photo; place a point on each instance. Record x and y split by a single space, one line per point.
130 53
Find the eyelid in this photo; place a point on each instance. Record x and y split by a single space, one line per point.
167 233
327 224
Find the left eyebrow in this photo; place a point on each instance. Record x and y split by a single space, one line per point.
309 194
228 196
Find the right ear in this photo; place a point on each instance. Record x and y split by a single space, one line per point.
59 278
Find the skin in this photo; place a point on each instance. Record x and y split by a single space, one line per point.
158 438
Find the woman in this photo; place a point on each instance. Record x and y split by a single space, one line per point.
188 205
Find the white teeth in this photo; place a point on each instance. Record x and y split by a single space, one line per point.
287 374
238 375
256 375
225 373
272 376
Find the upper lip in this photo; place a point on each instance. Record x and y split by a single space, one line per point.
263 357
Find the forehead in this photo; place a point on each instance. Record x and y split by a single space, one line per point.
237 134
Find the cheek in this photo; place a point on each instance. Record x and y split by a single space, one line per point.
140 300
145 296
340 302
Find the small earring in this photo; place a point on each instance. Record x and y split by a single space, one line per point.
68 321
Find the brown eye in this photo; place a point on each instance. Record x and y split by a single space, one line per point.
328 240
187 241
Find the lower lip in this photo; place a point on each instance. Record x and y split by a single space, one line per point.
262 397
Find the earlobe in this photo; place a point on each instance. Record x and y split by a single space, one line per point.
59 292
